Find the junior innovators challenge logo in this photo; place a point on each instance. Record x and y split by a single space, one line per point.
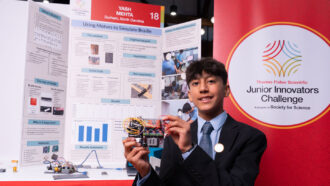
278 75
282 58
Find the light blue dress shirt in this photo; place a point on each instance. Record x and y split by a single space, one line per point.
217 124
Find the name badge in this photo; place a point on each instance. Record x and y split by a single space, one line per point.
218 147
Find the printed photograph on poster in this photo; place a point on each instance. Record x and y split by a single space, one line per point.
94 49
109 57
49 149
184 109
45 149
46 102
58 111
174 87
176 62
94 60
139 90
55 148
33 105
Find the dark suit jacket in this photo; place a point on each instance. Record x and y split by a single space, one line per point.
238 164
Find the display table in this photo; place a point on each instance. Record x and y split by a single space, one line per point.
35 176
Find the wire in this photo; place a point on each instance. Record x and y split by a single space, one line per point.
100 166
114 169
81 164
46 162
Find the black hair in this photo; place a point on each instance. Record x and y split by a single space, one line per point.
186 107
164 54
173 83
208 65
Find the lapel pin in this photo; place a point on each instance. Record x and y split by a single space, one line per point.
218 147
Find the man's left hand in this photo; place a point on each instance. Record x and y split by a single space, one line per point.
180 131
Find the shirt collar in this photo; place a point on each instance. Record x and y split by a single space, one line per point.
216 122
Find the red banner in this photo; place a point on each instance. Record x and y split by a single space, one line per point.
127 12
277 55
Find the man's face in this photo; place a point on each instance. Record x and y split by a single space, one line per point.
207 93
168 56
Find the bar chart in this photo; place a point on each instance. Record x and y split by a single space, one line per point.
91 132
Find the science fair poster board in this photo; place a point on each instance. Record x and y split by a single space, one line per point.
78 93
45 84
111 65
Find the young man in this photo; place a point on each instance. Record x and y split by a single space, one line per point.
189 157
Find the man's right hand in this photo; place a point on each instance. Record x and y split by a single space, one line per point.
137 155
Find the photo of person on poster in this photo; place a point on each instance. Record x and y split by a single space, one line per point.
176 62
175 87
190 112
168 66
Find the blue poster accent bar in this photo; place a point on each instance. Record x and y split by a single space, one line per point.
104 147
117 27
180 27
96 135
42 143
89 134
45 82
116 101
99 71
141 40
100 36
142 74
81 134
51 14
104 132
139 56
42 122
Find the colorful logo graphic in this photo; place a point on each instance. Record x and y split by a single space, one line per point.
282 58
80 3
278 75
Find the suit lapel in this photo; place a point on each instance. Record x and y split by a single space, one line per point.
227 136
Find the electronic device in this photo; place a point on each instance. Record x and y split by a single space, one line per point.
148 132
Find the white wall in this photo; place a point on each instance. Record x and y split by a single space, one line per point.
13 33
